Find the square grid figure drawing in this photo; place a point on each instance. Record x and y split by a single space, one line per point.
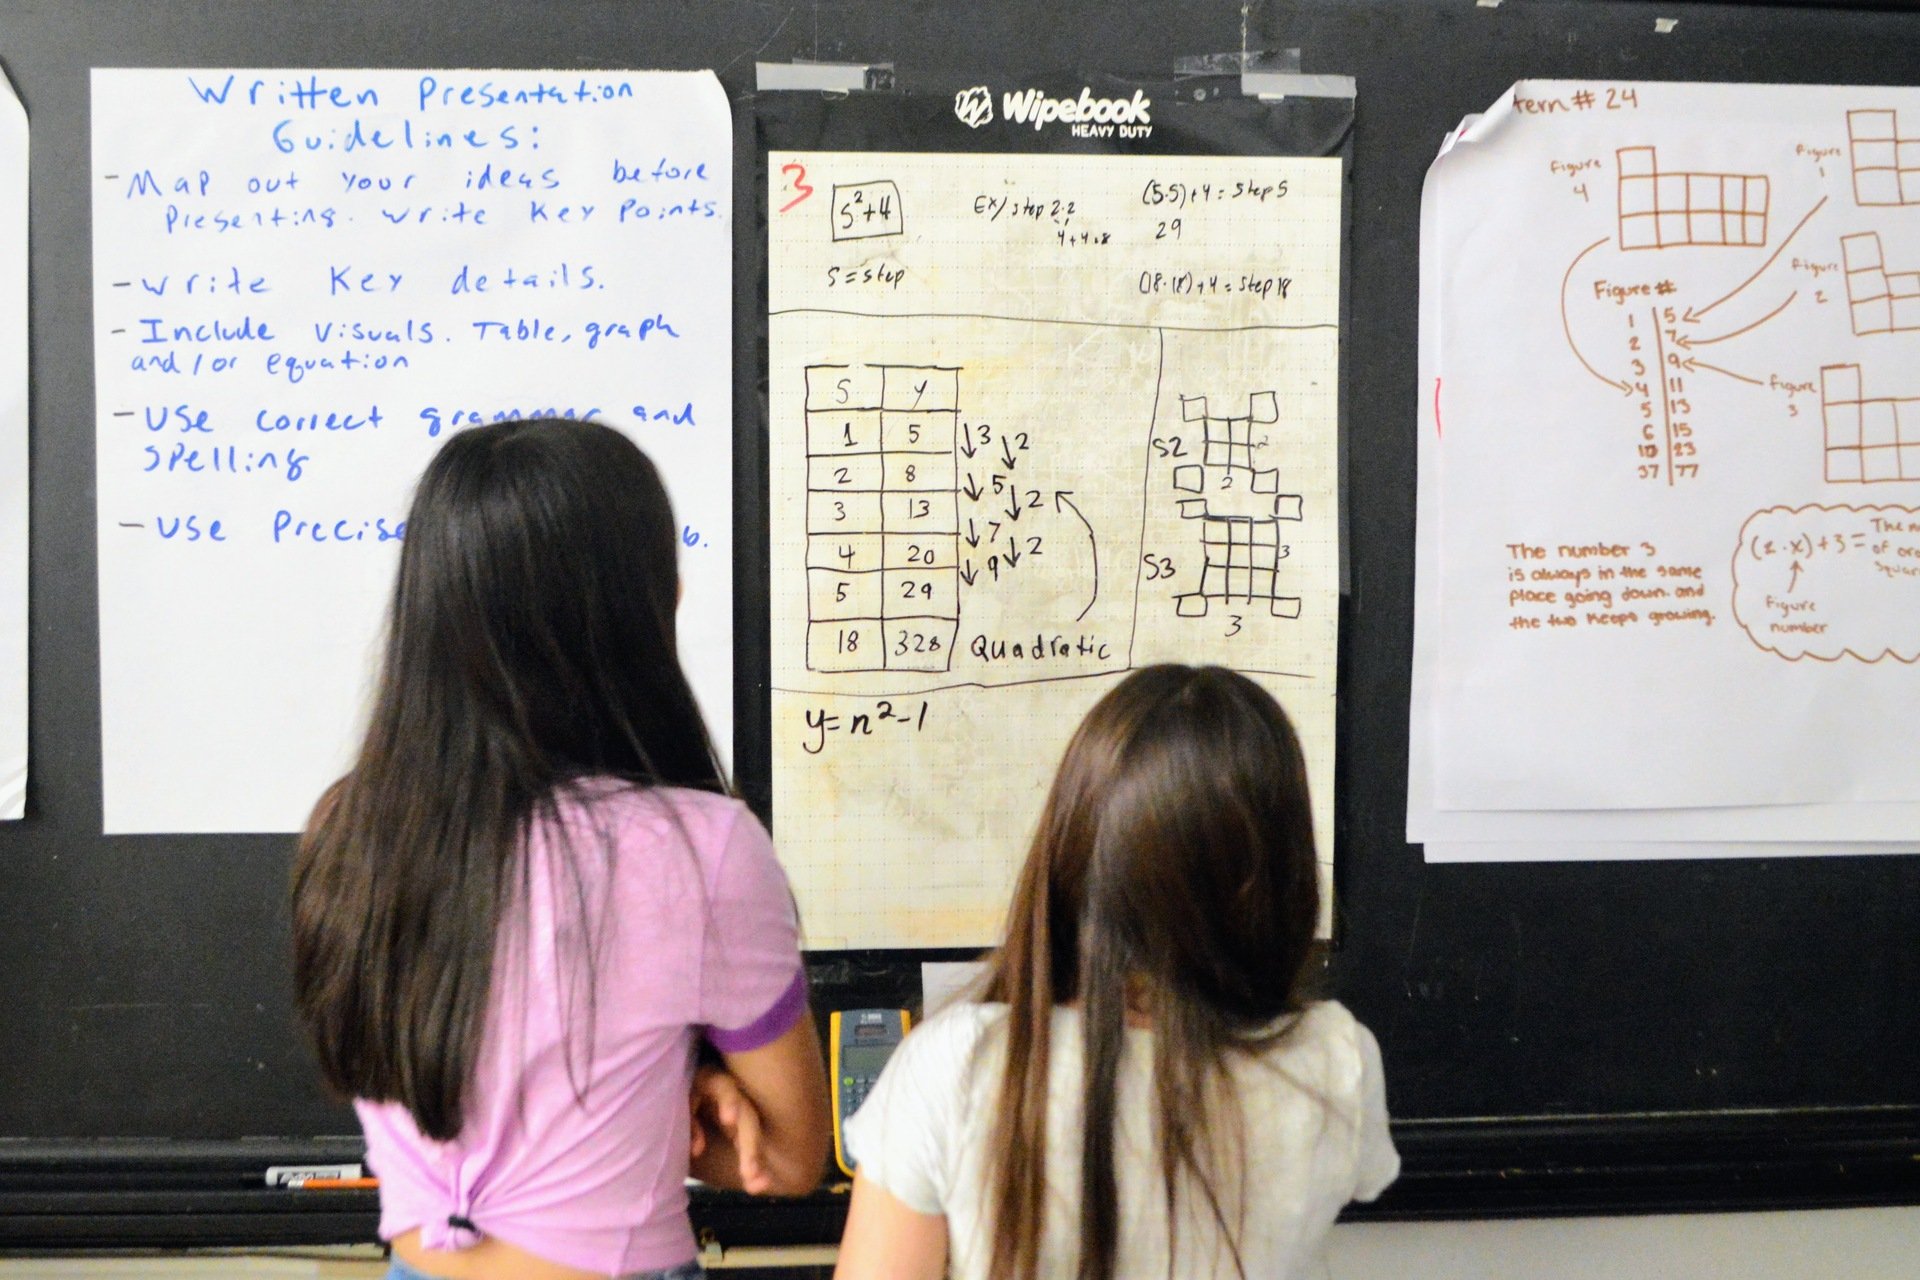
1886 166
1879 301
1670 210
1241 549
1868 440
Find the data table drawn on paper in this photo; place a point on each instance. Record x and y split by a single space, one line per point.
883 517
1005 471
1679 327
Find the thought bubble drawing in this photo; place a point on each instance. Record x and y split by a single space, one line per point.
1830 582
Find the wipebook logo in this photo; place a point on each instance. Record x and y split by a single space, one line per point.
974 106
1086 115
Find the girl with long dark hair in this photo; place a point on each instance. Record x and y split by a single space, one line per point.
1141 1089
532 897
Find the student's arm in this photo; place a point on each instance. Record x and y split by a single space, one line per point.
885 1240
1376 1163
754 1007
902 1139
784 1082
725 1148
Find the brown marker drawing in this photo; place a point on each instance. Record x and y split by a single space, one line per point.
1878 300
1567 328
1693 315
1880 538
1886 166
1868 440
1670 210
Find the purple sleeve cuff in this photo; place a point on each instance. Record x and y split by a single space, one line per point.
769 1026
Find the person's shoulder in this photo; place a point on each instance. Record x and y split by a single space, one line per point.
942 1045
962 1020
937 1062
1326 1020
623 810
706 812
1324 1046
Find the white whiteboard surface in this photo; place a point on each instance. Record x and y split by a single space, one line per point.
304 281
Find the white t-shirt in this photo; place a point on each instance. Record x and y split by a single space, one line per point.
1313 1117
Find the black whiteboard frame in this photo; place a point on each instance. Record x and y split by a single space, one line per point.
1747 1026
162 1195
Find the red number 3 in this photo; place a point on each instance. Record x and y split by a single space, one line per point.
800 184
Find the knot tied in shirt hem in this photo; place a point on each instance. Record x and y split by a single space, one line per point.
459 1232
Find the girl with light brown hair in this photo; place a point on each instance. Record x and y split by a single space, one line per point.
1140 1088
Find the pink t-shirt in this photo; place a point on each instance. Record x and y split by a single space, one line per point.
577 1151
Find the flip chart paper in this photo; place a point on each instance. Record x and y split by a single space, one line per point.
1035 420
1672 495
944 981
1462 835
305 281
13 454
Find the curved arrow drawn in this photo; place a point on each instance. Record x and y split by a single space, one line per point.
1693 364
1568 329
1692 316
1703 342
1060 496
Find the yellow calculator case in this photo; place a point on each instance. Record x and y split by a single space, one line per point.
861 1042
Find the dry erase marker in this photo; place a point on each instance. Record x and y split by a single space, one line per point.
297 1175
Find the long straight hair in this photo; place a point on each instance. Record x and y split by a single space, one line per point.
530 645
1172 875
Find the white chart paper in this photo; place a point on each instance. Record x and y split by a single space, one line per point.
13 454
304 281
944 981
1462 835
1670 526
1035 420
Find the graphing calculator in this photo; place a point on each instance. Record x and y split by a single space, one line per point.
863 1040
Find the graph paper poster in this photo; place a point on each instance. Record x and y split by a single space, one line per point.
1035 421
